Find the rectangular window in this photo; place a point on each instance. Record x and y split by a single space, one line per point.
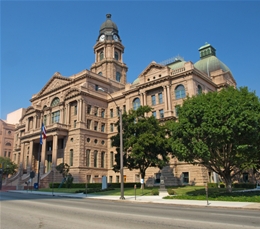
157 178
102 113
88 123
89 109
75 109
153 100
160 97
103 127
5 154
124 108
111 113
95 158
55 117
75 123
117 179
177 110
110 179
118 110
96 87
96 111
185 177
154 114
245 177
111 127
111 159
71 157
161 113
60 143
95 125
9 154
102 159
88 157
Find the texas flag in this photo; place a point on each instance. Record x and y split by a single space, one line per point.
43 133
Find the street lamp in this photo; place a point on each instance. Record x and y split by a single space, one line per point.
121 144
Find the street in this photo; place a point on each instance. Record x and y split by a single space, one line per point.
50 212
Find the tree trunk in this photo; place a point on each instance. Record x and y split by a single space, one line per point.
228 183
142 178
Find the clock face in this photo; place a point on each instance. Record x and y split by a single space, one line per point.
115 37
102 37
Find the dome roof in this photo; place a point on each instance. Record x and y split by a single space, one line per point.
136 81
108 25
210 64
208 61
177 64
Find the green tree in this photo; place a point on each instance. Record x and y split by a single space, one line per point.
219 130
9 167
144 141
64 169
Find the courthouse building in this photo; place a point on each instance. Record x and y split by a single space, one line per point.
80 118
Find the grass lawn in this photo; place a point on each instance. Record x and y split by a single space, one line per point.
187 193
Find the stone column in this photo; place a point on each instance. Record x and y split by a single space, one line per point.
29 167
84 111
68 114
55 150
169 98
43 156
165 98
61 115
145 101
142 99
22 155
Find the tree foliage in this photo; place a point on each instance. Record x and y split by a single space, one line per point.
9 167
64 168
144 141
219 130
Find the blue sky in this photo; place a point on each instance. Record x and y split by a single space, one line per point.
39 38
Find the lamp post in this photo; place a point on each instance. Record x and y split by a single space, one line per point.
121 145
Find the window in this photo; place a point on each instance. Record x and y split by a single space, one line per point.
95 158
102 159
88 178
161 113
95 125
102 113
75 109
180 92
55 117
101 55
160 97
45 120
124 108
100 73
71 157
88 157
110 179
96 111
9 154
88 123
157 178
18 161
116 55
111 159
245 177
75 123
9 132
118 76
60 143
5 154
136 103
55 102
111 113
154 114
199 90
103 127
117 179
118 111
153 100
111 127
8 144
185 177
89 109
96 87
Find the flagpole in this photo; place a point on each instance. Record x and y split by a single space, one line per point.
39 158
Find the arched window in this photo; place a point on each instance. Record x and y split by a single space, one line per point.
100 73
118 76
199 90
102 159
55 102
180 92
8 144
101 55
136 103
95 158
116 56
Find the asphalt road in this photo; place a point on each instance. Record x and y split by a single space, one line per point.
20 211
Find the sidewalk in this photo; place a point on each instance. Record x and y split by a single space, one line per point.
151 199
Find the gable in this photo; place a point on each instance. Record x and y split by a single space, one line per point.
54 83
153 68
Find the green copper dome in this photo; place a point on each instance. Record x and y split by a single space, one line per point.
208 61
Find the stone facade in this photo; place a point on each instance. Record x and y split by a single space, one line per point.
80 117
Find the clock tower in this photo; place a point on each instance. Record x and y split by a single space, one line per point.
109 53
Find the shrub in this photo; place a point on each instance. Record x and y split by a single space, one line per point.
244 185
171 192
212 185
155 192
